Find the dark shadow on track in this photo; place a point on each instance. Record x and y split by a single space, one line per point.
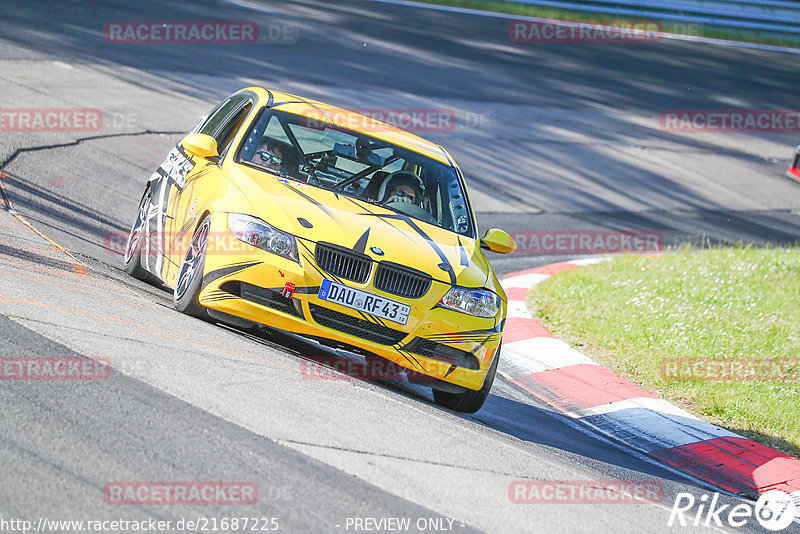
501 413
373 45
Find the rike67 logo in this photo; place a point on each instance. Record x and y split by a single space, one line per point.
774 510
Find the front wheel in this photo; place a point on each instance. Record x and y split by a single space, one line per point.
136 237
190 276
469 401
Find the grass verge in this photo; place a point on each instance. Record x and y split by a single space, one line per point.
669 26
732 304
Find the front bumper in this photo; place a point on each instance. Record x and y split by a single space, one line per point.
436 342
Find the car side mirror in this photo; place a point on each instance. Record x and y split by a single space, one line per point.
498 241
201 145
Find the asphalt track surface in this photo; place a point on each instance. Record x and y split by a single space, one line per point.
569 139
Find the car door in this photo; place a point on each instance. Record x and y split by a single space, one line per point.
189 200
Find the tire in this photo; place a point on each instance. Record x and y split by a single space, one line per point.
470 401
133 246
190 277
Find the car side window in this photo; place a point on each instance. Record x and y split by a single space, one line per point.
205 118
228 132
275 131
214 120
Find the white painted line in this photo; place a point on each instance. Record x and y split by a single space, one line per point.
529 356
525 281
517 309
648 403
640 425
589 261
496 15
648 430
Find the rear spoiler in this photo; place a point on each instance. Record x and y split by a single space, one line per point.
794 170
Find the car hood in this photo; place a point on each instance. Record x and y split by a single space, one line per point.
313 214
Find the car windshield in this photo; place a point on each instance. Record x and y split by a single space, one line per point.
330 157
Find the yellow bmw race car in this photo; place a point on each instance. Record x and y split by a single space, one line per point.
304 217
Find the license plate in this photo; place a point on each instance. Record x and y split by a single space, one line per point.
388 309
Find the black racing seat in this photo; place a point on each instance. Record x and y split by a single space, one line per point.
374 185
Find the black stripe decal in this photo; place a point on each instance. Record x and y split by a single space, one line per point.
426 237
226 271
310 199
478 332
464 259
412 360
361 245
360 206
453 367
481 344
217 299
320 271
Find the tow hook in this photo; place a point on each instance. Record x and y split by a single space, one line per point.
288 290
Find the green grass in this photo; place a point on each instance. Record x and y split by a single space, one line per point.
733 303
716 32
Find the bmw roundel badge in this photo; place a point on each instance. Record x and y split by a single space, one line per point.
376 251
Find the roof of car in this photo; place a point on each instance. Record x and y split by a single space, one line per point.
350 120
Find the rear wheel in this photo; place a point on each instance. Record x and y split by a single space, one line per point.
469 401
136 237
190 276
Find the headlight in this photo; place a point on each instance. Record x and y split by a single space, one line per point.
256 232
477 302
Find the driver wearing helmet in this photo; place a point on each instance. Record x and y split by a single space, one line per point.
402 186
